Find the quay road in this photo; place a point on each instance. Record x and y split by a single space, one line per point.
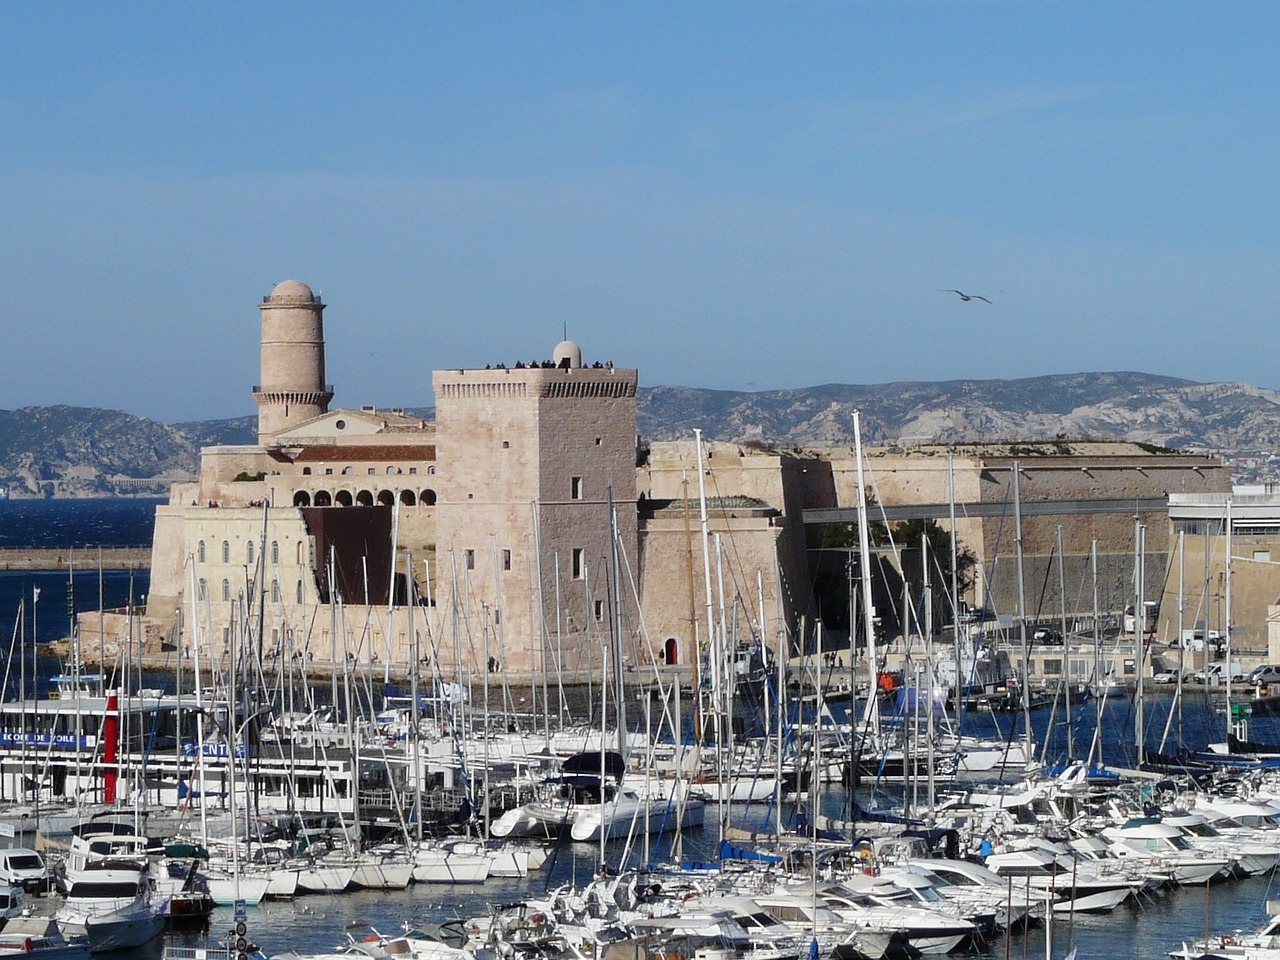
81 558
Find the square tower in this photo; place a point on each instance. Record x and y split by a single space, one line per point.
528 460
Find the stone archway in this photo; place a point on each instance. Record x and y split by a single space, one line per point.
364 498
343 498
302 499
428 498
671 651
323 499
407 499
386 498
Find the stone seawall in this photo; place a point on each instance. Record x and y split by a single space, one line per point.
82 558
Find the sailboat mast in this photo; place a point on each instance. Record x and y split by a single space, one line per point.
706 549
1227 610
1022 614
1139 631
615 593
955 579
871 712
1066 645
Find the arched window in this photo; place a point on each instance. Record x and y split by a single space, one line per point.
428 498
275 591
301 556
431 470
275 551
322 498
299 591
392 471
202 591
302 499
364 498
343 498
248 553
306 471
226 552
407 498
386 498
226 589
200 552
347 471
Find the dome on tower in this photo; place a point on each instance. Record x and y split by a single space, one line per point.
291 291
567 354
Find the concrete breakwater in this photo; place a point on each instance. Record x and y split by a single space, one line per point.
79 558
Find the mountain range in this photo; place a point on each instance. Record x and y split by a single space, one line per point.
80 451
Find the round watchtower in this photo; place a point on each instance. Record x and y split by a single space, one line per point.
292 387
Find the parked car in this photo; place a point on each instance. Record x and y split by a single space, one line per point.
1264 674
1047 635
1169 675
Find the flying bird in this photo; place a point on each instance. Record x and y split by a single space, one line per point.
965 296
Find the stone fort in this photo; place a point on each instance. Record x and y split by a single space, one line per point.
528 524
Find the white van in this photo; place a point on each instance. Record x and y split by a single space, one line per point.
1215 674
22 867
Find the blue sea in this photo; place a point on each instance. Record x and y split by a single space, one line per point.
1142 932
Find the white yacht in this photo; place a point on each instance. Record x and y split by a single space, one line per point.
110 902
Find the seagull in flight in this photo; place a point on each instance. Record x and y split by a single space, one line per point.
966 297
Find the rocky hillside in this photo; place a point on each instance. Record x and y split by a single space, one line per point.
85 452
1235 420
76 451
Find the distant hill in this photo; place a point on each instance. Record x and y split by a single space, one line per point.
79 451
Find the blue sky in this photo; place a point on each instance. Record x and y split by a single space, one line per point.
739 195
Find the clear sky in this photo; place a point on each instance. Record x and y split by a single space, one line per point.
738 195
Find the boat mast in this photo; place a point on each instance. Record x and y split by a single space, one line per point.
871 712
1140 630
706 557
1066 645
1096 746
615 593
1022 616
955 580
1227 610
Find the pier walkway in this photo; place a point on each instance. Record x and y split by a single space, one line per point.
81 558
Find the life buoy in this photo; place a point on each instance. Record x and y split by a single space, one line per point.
536 918
886 682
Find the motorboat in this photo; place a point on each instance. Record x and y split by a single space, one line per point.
40 937
1164 846
110 903
1073 885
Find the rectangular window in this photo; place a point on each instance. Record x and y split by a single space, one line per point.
413 471
506 559
575 488
1053 667
497 617
577 563
506 444
469 557
371 471
599 610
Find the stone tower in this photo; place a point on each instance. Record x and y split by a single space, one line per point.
533 455
292 387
